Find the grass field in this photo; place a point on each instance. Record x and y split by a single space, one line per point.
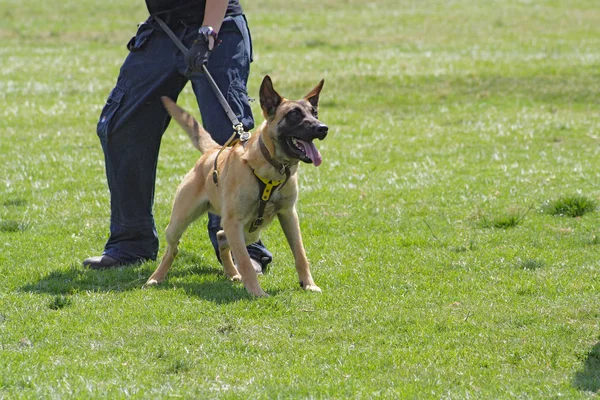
463 135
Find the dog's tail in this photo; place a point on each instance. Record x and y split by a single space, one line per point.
200 137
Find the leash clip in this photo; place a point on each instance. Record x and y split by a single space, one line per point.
244 136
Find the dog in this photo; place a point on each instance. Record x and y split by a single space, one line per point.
248 184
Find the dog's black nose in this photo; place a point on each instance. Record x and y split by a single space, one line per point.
322 130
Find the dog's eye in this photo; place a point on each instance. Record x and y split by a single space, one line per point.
315 113
294 114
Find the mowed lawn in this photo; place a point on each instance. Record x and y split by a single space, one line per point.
434 226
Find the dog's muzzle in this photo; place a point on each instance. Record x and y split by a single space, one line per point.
321 131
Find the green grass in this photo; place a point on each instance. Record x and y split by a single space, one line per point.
442 115
571 206
532 264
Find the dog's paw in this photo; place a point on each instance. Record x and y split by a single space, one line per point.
311 288
256 291
260 293
235 278
150 283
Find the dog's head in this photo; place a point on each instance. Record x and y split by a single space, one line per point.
293 125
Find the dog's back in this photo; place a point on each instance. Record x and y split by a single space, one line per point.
200 138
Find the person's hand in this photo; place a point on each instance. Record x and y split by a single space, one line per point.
198 54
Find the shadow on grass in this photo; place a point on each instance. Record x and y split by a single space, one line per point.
76 278
588 379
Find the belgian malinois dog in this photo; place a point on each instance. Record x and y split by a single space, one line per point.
254 182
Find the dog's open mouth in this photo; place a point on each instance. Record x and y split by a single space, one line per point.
304 150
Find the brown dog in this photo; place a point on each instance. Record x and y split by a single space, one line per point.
255 182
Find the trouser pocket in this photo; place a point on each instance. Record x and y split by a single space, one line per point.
108 112
141 37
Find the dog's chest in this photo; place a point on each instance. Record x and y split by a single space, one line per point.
266 211
278 201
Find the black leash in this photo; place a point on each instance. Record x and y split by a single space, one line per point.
238 128
237 125
172 35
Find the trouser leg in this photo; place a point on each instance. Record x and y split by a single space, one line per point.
130 129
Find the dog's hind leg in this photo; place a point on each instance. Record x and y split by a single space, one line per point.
235 236
165 264
291 228
231 271
187 207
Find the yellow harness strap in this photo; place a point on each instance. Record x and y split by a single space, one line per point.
269 185
265 195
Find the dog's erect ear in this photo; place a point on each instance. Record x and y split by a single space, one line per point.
269 98
313 96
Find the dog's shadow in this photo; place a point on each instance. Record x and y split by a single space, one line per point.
76 279
588 379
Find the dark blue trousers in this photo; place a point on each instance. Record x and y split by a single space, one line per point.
133 121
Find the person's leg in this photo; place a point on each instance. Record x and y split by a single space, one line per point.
229 65
130 129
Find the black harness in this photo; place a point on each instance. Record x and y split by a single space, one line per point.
265 186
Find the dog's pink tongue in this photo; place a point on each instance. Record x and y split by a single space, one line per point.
312 152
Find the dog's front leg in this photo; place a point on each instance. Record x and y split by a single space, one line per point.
235 236
291 228
231 271
186 209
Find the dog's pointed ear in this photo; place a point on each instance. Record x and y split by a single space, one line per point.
269 98
313 96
